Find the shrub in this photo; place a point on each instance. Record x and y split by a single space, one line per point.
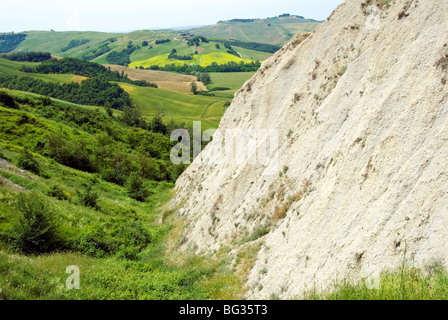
8 101
136 188
27 162
4 157
56 192
88 198
36 231
119 237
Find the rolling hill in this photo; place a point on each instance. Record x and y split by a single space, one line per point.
276 31
135 48
147 47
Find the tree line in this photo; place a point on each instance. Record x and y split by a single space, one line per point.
255 46
27 56
95 92
10 41
75 43
84 68
214 67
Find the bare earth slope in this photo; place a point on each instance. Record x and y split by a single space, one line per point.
362 112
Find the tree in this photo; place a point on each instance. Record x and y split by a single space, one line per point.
136 188
145 43
109 110
194 88
157 125
131 115
204 78
37 229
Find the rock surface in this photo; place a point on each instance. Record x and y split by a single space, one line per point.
361 109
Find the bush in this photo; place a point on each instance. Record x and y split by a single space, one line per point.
119 237
36 231
56 192
136 188
8 101
88 198
27 162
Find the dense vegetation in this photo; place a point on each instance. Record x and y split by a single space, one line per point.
84 68
261 47
72 217
75 43
10 41
174 55
229 67
96 92
121 58
404 283
196 40
27 56
103 49
161 41
239 21
112 150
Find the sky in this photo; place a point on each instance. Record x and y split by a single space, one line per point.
130 15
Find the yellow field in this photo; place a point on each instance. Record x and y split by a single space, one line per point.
202 60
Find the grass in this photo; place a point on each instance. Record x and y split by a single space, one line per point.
234 81
53 42
149 273
203 60
165 80
279 32
13 68
179 107
252 55
400 284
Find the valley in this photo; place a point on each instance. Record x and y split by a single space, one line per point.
351 200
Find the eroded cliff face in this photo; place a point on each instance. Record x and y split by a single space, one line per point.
361 112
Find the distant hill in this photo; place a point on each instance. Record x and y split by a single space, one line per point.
276 31
141 48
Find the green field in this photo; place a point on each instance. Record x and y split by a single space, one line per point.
13 68
202 60
177 106
156 54
234 81
180 107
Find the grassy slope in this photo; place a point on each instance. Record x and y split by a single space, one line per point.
154 275
234 81
53 42
280 31
13 68
179 107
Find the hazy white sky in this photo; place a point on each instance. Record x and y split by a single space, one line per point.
129 15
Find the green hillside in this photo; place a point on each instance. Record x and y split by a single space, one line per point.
146 47
181 108
97 47
13 68
53 214
276 31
